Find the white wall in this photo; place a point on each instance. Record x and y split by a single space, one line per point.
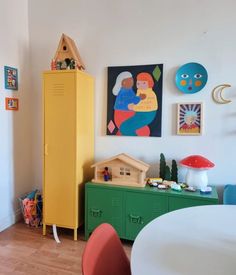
135 32
15 133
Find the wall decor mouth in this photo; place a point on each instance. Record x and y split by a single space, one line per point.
190 88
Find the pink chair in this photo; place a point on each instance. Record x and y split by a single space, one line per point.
104 253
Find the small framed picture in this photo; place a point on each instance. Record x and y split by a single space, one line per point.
190 119
11 78
12 103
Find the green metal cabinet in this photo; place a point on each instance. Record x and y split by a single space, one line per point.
105 205
140 210
129 209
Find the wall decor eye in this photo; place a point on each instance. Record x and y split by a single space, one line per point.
184 75
191 78
197 76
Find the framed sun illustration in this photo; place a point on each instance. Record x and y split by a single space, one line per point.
189 119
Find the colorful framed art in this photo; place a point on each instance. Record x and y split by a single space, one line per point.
11 78
190 119
134 106
11 104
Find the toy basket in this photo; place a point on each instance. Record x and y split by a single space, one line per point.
31 207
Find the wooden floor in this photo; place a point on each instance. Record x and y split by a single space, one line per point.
24 250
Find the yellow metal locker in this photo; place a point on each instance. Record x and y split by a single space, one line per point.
68 146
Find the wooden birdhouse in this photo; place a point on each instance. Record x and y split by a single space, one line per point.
67 50
121 170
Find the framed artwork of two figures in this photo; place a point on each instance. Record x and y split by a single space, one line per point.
134 106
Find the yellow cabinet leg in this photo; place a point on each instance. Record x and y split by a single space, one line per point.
75 234
44 229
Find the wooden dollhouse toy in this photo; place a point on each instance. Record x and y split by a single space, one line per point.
67 55
121 170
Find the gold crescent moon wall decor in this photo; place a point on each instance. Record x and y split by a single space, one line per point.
217 94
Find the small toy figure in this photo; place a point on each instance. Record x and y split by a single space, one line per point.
106 174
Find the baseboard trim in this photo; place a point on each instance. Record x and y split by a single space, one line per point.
10 220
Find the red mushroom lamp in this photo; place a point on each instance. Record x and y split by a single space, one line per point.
197 170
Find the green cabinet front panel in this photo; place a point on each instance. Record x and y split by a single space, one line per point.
140 210
178 203
105 205
129 209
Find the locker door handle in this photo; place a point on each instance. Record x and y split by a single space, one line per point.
135 219
46 149
96 212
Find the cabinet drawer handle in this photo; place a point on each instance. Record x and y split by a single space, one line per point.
135 219
96 212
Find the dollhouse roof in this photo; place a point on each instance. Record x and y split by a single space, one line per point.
71 51
140 165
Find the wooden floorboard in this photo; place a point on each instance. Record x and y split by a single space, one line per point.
24 250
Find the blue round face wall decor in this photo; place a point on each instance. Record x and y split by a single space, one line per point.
191 78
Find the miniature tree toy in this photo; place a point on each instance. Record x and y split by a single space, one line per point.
167 173
162 166
174 171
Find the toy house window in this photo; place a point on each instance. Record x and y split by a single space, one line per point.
127 171
122 171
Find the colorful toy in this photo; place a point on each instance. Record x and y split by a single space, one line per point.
32 208
168 182
190 189
154 180
176 187
162 186
106 174
29 209
206 190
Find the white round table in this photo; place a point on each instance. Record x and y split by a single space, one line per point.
197 240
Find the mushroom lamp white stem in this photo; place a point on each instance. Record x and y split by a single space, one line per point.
197 170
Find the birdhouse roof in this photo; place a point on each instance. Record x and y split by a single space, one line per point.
140 165
72 48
